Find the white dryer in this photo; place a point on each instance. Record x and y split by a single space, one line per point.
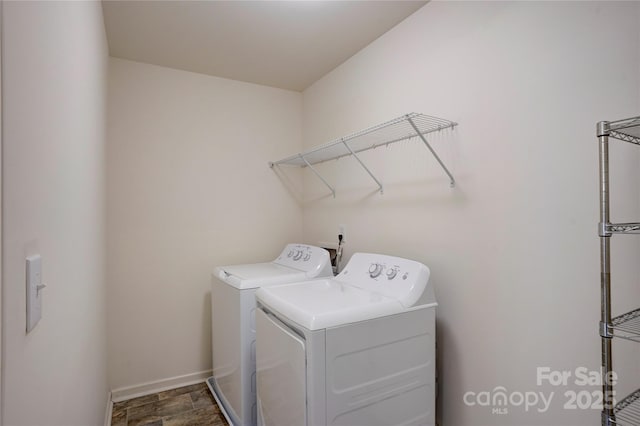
233 308
355 350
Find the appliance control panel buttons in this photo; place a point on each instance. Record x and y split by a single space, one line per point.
303 253
391 273
375 270
387 276
309 259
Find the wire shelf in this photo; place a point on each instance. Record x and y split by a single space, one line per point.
383 134
627 130
406 127
626 326
624 228
627 411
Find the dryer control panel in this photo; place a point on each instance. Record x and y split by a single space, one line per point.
391 276
311 259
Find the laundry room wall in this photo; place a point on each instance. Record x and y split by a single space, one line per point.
189 188
54 83
513 248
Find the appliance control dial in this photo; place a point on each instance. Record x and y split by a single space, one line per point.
298 255
290 253
375 270
391 273
307 257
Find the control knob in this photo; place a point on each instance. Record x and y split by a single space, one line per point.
298 255
375 270
391 273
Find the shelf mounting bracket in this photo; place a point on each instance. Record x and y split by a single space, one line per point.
333 191
362 164
421 136
605 330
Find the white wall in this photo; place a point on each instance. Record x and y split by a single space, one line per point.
188 188
513 248
54 94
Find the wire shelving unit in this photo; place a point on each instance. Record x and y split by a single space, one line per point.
626 326
406 127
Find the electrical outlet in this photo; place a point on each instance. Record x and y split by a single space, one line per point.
34 291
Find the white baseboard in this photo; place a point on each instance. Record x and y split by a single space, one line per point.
142 389
108 410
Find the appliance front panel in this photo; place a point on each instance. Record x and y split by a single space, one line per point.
381 372
281 373
232 348
226 346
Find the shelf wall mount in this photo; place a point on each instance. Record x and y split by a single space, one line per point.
406 127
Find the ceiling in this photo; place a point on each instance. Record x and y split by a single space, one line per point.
285 44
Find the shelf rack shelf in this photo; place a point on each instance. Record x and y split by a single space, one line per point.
621 228
627 411
406 127
625 326
627 130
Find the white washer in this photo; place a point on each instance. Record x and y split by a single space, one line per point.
233 307
355 350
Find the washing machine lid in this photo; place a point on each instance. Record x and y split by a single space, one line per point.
297 262
326 303
258 274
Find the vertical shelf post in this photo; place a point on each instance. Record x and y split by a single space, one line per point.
608 415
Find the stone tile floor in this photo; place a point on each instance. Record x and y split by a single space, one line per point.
187 406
